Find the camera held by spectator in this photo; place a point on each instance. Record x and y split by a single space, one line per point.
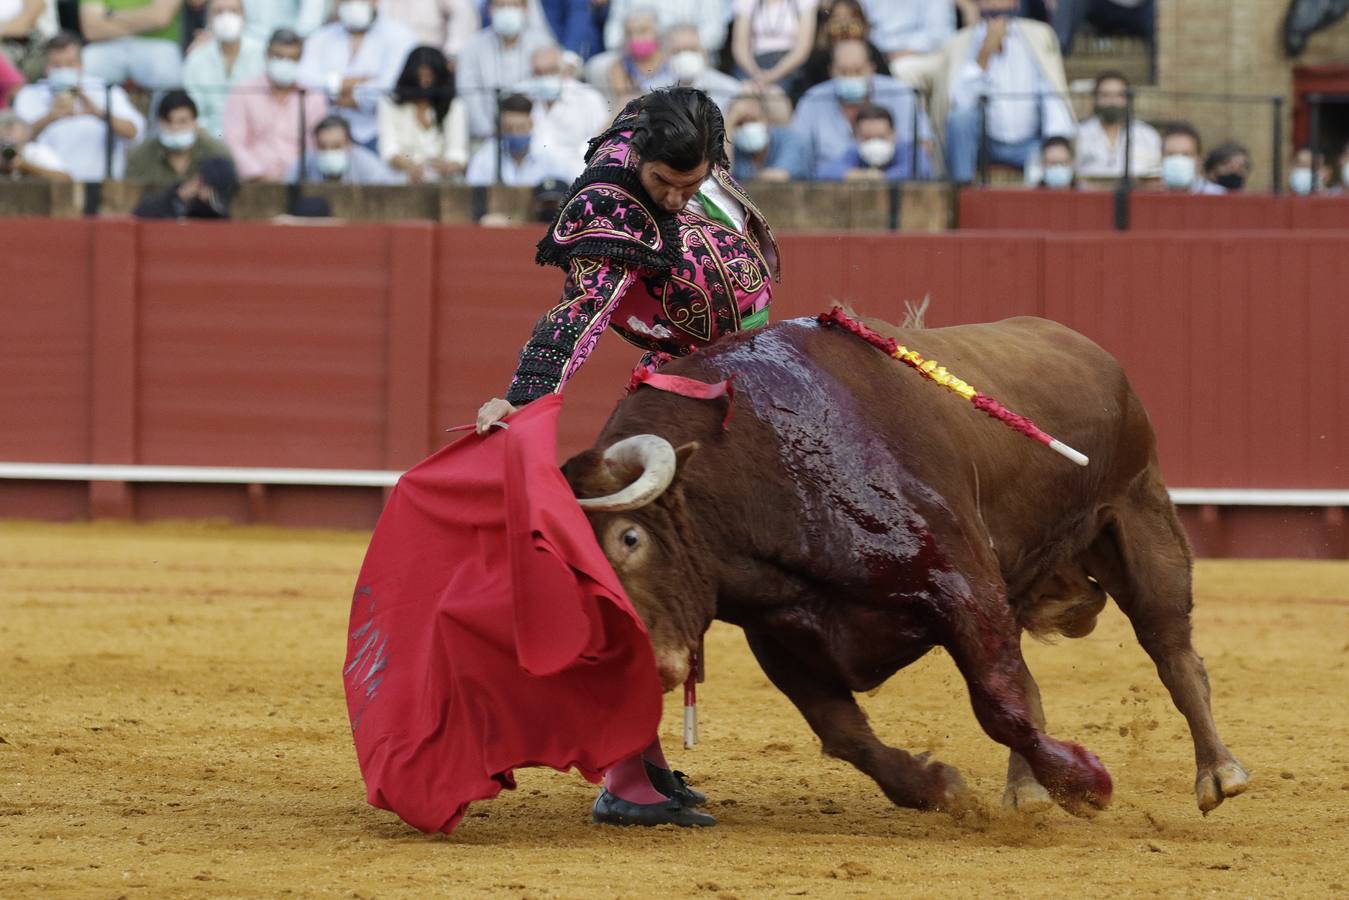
21 159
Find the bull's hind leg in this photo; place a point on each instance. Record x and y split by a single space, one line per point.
1143 560
834 715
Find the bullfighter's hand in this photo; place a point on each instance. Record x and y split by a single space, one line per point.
491 412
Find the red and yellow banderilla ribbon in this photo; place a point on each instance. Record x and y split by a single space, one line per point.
930 370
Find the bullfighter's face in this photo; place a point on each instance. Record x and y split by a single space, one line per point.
653 552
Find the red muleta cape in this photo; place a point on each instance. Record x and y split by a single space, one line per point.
488 631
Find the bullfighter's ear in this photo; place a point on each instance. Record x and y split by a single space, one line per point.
682 455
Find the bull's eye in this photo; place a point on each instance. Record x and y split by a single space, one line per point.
630 537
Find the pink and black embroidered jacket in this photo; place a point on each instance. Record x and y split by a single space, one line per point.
666 282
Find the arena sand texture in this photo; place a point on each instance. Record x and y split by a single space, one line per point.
173 726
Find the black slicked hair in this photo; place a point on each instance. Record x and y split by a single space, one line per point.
680 127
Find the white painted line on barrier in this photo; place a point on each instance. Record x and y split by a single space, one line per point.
380 478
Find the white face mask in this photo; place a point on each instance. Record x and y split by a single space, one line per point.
1300 180
178 140
751 137
227 27
332 163
546 88
283 72
1178 170
64 79
508 21
1059 175
356 15
876 152
687 65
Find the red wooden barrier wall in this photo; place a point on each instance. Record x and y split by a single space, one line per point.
1077 211
353 346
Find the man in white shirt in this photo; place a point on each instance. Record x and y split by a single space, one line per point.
66 113
21 159
214 68
356 60
522 163
688 66
903 27
710 17
566 112
1101 140
496 59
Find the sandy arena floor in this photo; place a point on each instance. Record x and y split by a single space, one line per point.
172 724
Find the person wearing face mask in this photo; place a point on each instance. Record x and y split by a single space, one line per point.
1340 174
688 67
65 112
356 61
1228 166
177 150
423 126
658 169
842 20
641 66
875 154
494 61
263 119
1101 139
227 58
1305 177
708 16
1016 64
566 112
515 159
1056 171
204 195
760 151
825 119
338 159
1181 149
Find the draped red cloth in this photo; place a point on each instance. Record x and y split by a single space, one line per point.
489 632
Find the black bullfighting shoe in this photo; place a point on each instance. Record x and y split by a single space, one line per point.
674 785
613 810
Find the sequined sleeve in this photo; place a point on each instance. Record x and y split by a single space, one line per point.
564 338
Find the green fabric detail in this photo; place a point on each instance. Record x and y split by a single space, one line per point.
714 212
758 320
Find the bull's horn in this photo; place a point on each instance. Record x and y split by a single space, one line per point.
654 456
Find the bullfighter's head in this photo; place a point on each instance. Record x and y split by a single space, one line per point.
633 496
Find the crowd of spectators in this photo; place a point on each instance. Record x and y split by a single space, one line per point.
509 91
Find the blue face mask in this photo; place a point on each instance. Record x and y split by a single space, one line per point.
1058 176
852 88
515 144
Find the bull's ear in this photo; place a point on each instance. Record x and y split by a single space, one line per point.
683 454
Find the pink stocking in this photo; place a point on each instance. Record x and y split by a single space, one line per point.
627 779
655 755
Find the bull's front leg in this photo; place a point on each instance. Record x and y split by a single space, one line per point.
842 726
984 640
1024 793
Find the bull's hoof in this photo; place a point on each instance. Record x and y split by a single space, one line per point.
1026 796
1216 783
613 810
1073 776
950 795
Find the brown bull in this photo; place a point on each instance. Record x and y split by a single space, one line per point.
854 516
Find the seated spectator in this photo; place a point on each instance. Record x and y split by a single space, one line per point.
521 163
338 159
1100 139
578 25
23 160
844 21
495 60
66 113
25 25
1181 149
875 154
357 60
228 57
265 17
179 148
760 151
443 24
708 16
1016 64
11 79
205 195
423 127
908 27
1303 176
133 40
263 119
772 39
567 113
824 118
1228 166
640 66
1055 170
1342 172
688 67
